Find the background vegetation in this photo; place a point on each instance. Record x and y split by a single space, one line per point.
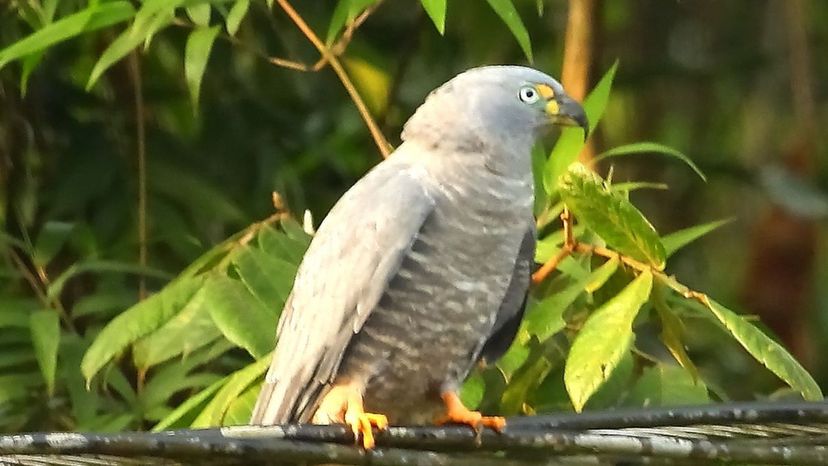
145 258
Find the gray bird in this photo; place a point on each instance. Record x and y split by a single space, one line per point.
422 268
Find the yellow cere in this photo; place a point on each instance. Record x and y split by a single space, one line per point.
552 107
545 91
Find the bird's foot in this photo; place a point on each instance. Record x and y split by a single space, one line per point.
363 423
343 404
457 413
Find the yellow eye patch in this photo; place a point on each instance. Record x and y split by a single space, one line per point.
545 91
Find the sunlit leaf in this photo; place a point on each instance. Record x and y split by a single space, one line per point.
185 413
611 216
603 340
188 330
630 186
45 329
196 53
138 321
600 276
571 141
236 15
199 13
650 148
268 278
90 19
240 409
472 391
241 380
770 353
126 42
242 319
281 246
509 14
436 10
177 375
679 239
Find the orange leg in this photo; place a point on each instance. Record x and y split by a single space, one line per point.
343 404
457 413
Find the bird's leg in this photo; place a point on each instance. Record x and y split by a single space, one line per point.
457 413
343 404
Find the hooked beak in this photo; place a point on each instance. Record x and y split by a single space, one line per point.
563 111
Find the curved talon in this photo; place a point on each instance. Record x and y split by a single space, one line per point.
363 423
343 403
457 413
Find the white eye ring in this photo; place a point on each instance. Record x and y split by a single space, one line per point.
528 94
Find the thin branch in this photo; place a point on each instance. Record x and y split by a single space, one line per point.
379 139
550 266
38 288
567 249
141 159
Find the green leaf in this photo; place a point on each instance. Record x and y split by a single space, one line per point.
45 328
472 390
345 12
56 287
571 141
122 45
183 415
770 353
16 386
611 216
542 359
138 321
236 15
50 240
664 385
679 239
240 409
600 276
241 318
671 331
103 303
650 147
241 380
196 53
14 312
90 19
436 10
188 330
270 279
509 14
630 186
604 339
200 14
84 403
161 20
281 246
126 42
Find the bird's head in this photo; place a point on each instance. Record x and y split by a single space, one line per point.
494 107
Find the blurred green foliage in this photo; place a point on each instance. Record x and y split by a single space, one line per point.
197 108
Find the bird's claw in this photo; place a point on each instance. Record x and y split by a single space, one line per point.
457 413
362 424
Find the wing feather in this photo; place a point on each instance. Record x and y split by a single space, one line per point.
355 253
514 303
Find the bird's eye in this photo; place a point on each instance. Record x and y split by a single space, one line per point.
528 95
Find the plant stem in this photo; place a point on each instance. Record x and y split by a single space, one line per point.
326 53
